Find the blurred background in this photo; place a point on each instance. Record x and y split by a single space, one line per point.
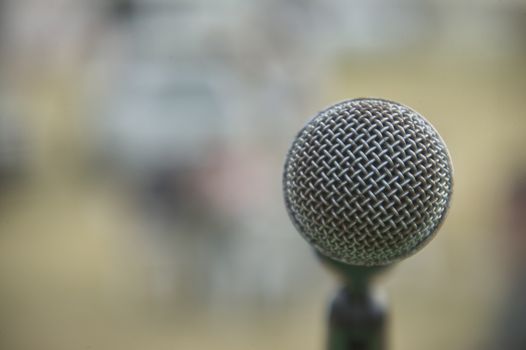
141 151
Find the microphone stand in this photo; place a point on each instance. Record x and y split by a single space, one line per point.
357 320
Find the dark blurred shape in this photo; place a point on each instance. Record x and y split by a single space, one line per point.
122 9
517 18
3 30
510 324
517 216
166 190
13 158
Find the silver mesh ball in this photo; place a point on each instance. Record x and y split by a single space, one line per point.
367 182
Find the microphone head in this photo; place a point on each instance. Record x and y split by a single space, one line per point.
367 182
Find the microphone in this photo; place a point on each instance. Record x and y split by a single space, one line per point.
367 182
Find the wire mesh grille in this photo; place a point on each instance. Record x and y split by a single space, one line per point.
367 181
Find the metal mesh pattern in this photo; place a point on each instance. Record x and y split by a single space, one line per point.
367 181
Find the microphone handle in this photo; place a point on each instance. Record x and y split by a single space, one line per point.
357 321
